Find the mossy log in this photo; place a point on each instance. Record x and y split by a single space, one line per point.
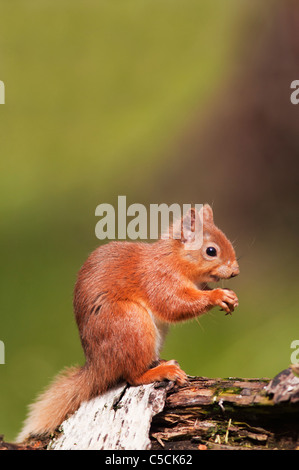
217 414
230 414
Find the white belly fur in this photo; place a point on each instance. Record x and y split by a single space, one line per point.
161 329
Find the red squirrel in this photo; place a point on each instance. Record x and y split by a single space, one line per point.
125 297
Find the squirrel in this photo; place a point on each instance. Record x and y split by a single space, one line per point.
125 297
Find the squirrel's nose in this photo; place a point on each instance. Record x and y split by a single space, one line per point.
235 270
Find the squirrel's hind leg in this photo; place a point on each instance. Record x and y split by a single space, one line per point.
166 370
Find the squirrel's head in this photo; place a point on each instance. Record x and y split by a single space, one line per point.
209 255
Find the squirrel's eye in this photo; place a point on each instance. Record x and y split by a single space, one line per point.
211 251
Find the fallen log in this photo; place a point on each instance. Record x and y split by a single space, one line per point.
230 414
207 413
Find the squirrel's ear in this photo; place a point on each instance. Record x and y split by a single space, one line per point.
183 229
206 214
188 225
188 230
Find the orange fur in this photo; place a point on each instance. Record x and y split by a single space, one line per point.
125 297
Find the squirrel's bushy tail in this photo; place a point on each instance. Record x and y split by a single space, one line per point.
63 397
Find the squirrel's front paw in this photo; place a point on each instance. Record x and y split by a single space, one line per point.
226 299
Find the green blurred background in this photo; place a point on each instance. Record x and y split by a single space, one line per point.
161 101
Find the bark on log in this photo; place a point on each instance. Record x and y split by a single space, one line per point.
118 420
231 414
228 414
